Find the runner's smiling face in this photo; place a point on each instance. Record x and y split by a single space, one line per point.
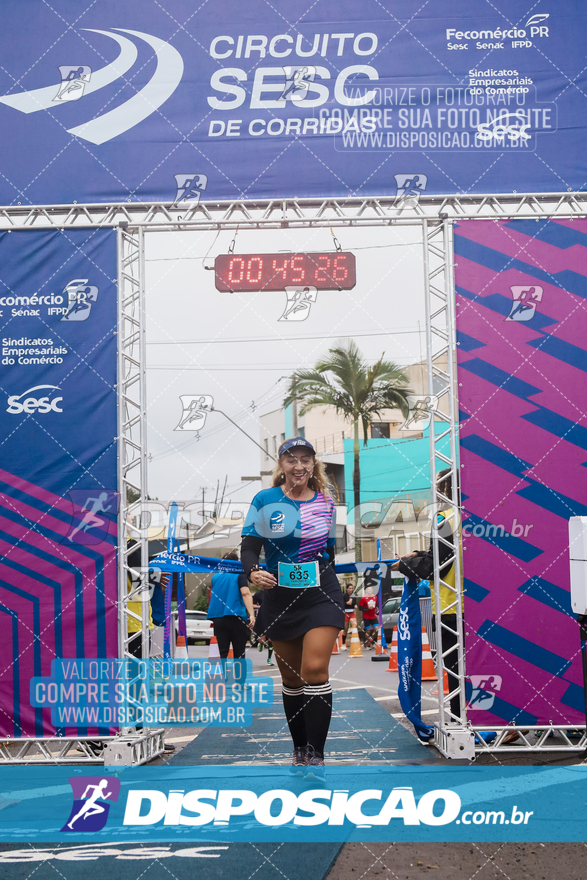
297 465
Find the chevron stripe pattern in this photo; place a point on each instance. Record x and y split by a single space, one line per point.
522 374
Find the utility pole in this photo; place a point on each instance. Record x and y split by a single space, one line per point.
215 514
222 496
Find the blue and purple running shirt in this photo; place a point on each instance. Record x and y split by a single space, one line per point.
291 531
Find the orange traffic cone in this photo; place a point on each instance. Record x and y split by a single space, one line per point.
355 646
379 646
181 651
444 683
428 671
230 654
380 655
335 648
393 665
213 653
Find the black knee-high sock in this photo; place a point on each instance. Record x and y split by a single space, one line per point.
317 713
293 704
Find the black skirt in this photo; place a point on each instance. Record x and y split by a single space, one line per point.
287 613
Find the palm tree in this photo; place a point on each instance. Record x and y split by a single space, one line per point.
343 379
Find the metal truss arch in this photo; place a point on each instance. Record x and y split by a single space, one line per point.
435 215
276 213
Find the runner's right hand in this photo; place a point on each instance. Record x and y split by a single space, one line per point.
263 579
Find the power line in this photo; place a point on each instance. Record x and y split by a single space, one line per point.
367 247
280 339
241 368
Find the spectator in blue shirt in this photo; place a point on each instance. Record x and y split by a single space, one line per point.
231 610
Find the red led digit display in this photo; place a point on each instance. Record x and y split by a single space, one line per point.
235 273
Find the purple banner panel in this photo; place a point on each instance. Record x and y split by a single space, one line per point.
522 335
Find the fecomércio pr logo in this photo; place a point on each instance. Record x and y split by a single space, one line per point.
92 796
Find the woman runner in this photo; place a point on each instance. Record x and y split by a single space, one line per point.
302 609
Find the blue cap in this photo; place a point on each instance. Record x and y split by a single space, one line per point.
295 441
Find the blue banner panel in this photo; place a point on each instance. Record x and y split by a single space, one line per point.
208 805
173 102
58 465
409 659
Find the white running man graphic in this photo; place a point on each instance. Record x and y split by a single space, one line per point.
91 520
91 808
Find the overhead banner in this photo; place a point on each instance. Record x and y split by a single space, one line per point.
174 102
522 332
58 477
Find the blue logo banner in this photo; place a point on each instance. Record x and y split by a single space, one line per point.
253 804
58 422
409 658
148 101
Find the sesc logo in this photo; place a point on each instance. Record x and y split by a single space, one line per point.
277 521
30 405
510 124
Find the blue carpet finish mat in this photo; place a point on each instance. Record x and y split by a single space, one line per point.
131 861
361 731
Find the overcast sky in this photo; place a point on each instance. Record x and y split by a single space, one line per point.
233 346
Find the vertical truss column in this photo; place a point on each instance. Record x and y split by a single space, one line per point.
133 585
443 408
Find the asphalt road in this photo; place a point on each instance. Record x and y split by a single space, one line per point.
460 861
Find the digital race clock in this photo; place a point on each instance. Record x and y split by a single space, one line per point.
235 273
